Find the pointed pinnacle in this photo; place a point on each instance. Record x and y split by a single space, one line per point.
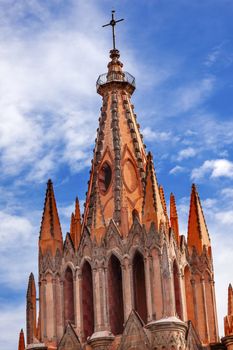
31 285
77 209
230 300
21 345
173 211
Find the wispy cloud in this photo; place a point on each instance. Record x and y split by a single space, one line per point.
177 170
190 96
152 135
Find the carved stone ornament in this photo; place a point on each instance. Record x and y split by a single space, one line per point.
134 335
70 340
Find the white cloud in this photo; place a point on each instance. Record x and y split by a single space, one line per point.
12 319
13 228
216 168
43 81
177 169
186 153
18 244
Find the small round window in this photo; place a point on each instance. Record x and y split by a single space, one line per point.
105 177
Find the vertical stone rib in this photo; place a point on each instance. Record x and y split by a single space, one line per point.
117 156
97 157
131 125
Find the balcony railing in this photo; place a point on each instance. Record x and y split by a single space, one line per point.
104 79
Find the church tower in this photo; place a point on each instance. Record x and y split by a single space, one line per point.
124 277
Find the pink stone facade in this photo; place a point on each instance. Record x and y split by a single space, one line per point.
124 278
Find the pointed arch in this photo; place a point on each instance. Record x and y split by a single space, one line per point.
139 286
115 295
69 296
189 295
177 291
87 300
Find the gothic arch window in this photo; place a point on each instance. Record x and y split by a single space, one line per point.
69 296
115 296
189 294
87 300
139 286
177 290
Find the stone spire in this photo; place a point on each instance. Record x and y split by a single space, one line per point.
119 161
50 230
228 321
21 345
31 309
75 225
198 235
174 217
152 209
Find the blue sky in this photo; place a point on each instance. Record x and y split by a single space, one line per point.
51 53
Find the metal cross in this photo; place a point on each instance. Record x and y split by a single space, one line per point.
112 23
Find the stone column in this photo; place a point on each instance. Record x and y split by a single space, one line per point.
102 337
182 296
148 273
157 284
59 308
78 301
168 333
103 298
96 296
54 309
195 303
49 302
106 312
127 287
205 309
42 285
215 310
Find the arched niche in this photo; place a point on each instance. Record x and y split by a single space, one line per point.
69 296
87 300
139 286
115 296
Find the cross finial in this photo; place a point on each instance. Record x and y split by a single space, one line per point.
112 23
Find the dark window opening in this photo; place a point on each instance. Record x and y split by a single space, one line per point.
87 300
105 177
139 286
115 296
68 296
